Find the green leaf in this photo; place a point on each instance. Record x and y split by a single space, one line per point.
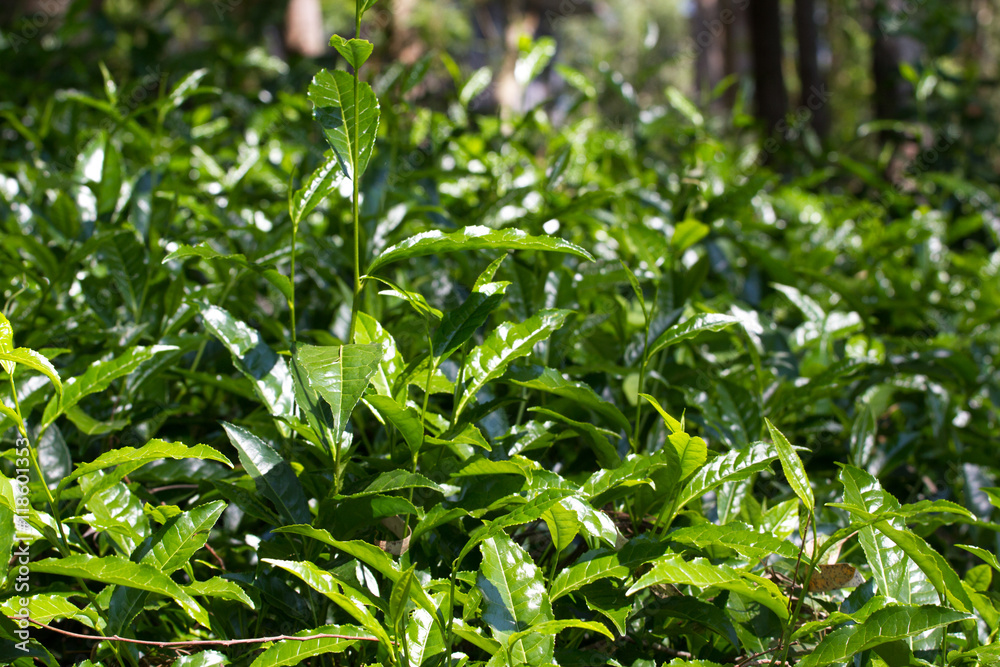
370 555
739 537
599 565
34 361
318 187
129 459
332 93
400 595
266 271
474 237
201 659
690 328
515 600
692 452
395 480
406 420
899 577
686 234
597 438
355 51
6 343
340 374
254 358
296 652
122 572
795 472
672 424
127 263
115 512
731 467
579 393
507 342
555 627
97 378
271 473
891 623
325 583
181 536
987 556
672 569
217 587
458 326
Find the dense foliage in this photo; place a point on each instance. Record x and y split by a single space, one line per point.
468 390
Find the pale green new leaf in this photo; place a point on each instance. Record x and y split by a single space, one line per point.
332 93
891 623
736 536
555 627
406 420
795 472
34 361
672 424
475 237
122 572
988 556
355 51
692 452
181 536
514 600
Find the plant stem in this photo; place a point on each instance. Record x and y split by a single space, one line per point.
355 177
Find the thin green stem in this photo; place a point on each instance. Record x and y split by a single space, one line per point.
356 177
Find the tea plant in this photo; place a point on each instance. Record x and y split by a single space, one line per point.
455 392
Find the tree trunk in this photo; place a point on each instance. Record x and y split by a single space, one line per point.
811 80
709 34
771 96
304 32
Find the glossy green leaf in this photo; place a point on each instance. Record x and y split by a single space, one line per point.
599 439
128 459
326 584
399 596
509 341
690 328
6 343
267 371
34 361
339 374
217 587
553 382
272 475
333 94
730 467
127 262
459 325
266 271
751 544
987 556
320 184
514 600
181 536
406 420
97 378
795 472
672 569
474 237
898 576
296 652
692 452
122 572
672 424
891 623
602 565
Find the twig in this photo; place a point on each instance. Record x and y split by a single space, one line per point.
199 642
751 658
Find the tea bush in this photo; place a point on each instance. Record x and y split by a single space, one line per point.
467 390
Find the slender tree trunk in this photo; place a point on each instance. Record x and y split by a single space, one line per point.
810 78
708 31
304 32
771 96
